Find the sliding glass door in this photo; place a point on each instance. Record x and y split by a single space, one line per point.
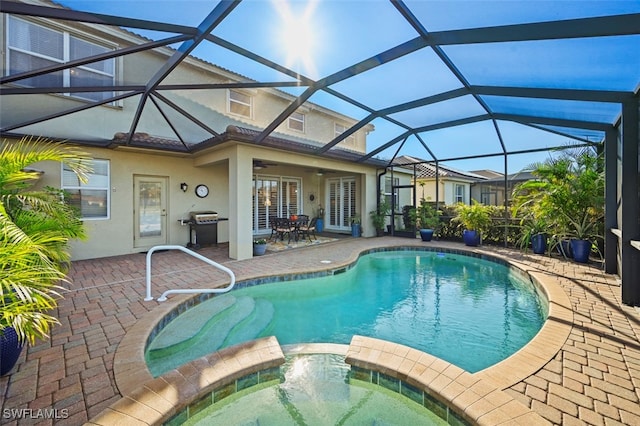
341 203
274 196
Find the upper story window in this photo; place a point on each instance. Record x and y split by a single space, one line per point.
240 103
340 129
32 46
458 193
90 198
296 121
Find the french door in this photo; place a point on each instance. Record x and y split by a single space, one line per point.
274 196
341 203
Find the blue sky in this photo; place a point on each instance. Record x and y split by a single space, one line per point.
345 32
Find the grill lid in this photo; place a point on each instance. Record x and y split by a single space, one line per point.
203 216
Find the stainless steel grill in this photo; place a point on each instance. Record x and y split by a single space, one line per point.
203 228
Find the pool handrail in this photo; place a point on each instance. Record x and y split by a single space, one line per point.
163 297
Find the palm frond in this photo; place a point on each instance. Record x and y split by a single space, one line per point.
35 228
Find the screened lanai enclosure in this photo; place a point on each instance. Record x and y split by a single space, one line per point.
479 84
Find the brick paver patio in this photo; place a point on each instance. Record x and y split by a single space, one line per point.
593 379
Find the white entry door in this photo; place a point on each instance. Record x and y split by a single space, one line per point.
150 211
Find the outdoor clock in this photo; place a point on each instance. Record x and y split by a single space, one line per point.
202 190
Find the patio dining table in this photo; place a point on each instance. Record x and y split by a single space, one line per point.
290 226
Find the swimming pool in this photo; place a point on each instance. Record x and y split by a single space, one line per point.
469 311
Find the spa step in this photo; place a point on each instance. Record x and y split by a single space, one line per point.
208 340
251 327
190 322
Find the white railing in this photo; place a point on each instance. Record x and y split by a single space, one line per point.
187 290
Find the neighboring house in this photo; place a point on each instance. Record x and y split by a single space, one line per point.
491 191
453 186
488 195
143 184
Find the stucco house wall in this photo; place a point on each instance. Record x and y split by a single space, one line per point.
115 234
227 169
209 106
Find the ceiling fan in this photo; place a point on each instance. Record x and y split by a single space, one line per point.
322 172
259 164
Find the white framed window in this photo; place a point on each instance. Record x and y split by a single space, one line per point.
240 104
388 190
340 129
32 46
458 193
91 198
296 122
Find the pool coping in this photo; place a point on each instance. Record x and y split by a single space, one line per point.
159 399
131 373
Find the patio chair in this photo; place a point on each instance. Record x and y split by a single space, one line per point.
273 223
284 226
308 229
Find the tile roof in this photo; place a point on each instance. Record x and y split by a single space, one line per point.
427 169
240 134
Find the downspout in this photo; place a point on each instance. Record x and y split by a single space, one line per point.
379 188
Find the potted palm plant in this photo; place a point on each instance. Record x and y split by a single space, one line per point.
475 219
379 216
427 218
533 224
35 227
533 231
569 195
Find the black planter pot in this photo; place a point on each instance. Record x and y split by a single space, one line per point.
426 234
10 348
539 243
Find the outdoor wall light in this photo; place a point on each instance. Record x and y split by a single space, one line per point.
184 186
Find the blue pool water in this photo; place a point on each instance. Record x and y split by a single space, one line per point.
468 311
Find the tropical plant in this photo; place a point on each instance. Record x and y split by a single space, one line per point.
473 217
379 216
407 212
529 227
36 225
568 194
425 216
